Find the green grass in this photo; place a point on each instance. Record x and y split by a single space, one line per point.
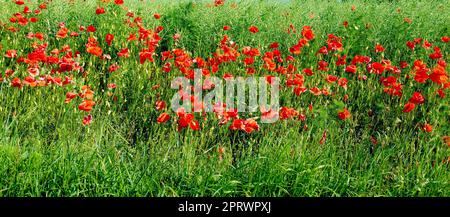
46 151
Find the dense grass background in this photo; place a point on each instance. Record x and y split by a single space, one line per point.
46 151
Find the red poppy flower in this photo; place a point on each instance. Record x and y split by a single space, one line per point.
118 2
442 63
253 29
274 45
323 50
331 78
345 24
445 39
188 120
94 50
344 114
11 53
167 67
144 55
437 54
157 16
247 126
403 64
417 98
86 105
87 120
227 76
70 96
427 128
426 44
342 60
296 49
351 69
86 93
250 125
132 37
299 90
123 53
112 86
160 105
287 113
39 35
377 68
409 107
23 21
114 67
343 82
441 93
379 48
308 71
411 45
334 43
30 81
109 38
237 124
323 65
219 3
16 82
100 10
91 28
185 120
249 60
439 76
315 91
307 33
163 117
421 75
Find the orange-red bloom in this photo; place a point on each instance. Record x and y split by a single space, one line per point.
439 76
163 117
70 96
100 10
409 107
253 29
160 105
94 50
145 54
11 53
87 120
16 82
124 53
379 48
86 105
344 114
307 33
248 126
427 128
109 38
417 98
